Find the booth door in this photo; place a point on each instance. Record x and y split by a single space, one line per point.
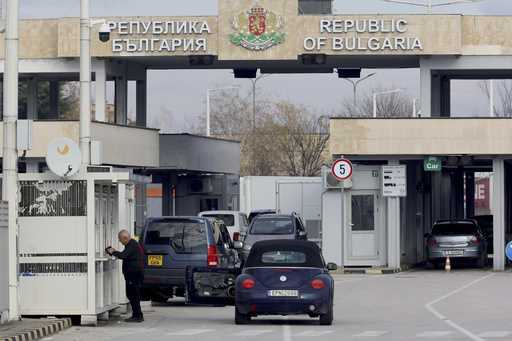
361 231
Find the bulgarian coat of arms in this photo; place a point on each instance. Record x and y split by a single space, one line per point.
257 29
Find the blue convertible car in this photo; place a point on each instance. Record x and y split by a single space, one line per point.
285 277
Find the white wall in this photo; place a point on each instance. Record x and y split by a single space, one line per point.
332 227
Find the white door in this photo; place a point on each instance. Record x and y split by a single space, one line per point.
361 238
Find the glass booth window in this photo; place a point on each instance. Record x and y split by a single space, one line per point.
363 213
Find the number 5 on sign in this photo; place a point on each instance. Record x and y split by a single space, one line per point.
342 169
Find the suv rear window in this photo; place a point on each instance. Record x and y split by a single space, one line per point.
228 219
272 226
184 236
454 229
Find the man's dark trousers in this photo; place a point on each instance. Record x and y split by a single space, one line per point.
133 287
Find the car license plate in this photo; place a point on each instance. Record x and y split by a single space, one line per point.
283 293
454 253
155 260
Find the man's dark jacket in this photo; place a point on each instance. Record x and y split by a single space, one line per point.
132 256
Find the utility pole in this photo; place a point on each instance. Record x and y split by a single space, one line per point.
254 82
85 84
356 83
10 153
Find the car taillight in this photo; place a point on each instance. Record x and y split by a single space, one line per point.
248 283
236 236
474 240
432 242
213 257
317 284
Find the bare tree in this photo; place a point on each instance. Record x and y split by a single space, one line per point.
302 139
502 106
397 104
287 140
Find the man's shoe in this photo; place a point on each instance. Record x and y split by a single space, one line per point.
135 319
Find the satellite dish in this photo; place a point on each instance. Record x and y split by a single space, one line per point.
63 157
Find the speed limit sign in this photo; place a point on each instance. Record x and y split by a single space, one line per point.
342 169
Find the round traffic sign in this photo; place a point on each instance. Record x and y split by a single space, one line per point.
342 169
508 251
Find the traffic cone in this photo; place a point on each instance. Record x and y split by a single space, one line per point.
448 265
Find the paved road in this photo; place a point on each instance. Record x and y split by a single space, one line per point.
416 305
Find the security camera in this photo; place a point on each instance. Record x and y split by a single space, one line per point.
104 33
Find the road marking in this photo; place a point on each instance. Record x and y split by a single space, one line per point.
287 331
495 335
372 333
434 334
429 307
190 332
315 333
253 332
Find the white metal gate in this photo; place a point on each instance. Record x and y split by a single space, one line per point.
64 228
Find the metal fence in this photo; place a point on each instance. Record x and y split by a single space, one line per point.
4 260
53 198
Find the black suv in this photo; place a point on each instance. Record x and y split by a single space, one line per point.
174 244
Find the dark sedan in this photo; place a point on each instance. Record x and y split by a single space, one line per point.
285 277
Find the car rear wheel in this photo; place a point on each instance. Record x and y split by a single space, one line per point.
326 319
241 318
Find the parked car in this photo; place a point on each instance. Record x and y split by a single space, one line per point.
285 277
273 226
235 221
255 213
174 244
459 239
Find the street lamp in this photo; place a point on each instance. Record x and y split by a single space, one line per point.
208 92
375 94
254 81
356 83
429 5
10 153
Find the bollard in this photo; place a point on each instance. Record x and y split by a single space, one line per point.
448 265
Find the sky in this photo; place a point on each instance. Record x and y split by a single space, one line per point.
177 98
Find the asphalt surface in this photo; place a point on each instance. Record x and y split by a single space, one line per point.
416 305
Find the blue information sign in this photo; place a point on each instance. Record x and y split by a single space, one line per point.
508 251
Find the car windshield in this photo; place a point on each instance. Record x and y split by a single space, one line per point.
184 236
272 226
283 257
228 219
454 229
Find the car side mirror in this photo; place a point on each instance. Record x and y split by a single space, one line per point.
332 266
303 233
237 245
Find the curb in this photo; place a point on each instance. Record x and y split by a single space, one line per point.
51 328
371 271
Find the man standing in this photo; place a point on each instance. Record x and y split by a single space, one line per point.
133 271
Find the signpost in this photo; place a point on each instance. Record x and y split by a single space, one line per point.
394 181
432 164
342 169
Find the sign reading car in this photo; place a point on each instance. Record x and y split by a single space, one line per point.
432 164
257 29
